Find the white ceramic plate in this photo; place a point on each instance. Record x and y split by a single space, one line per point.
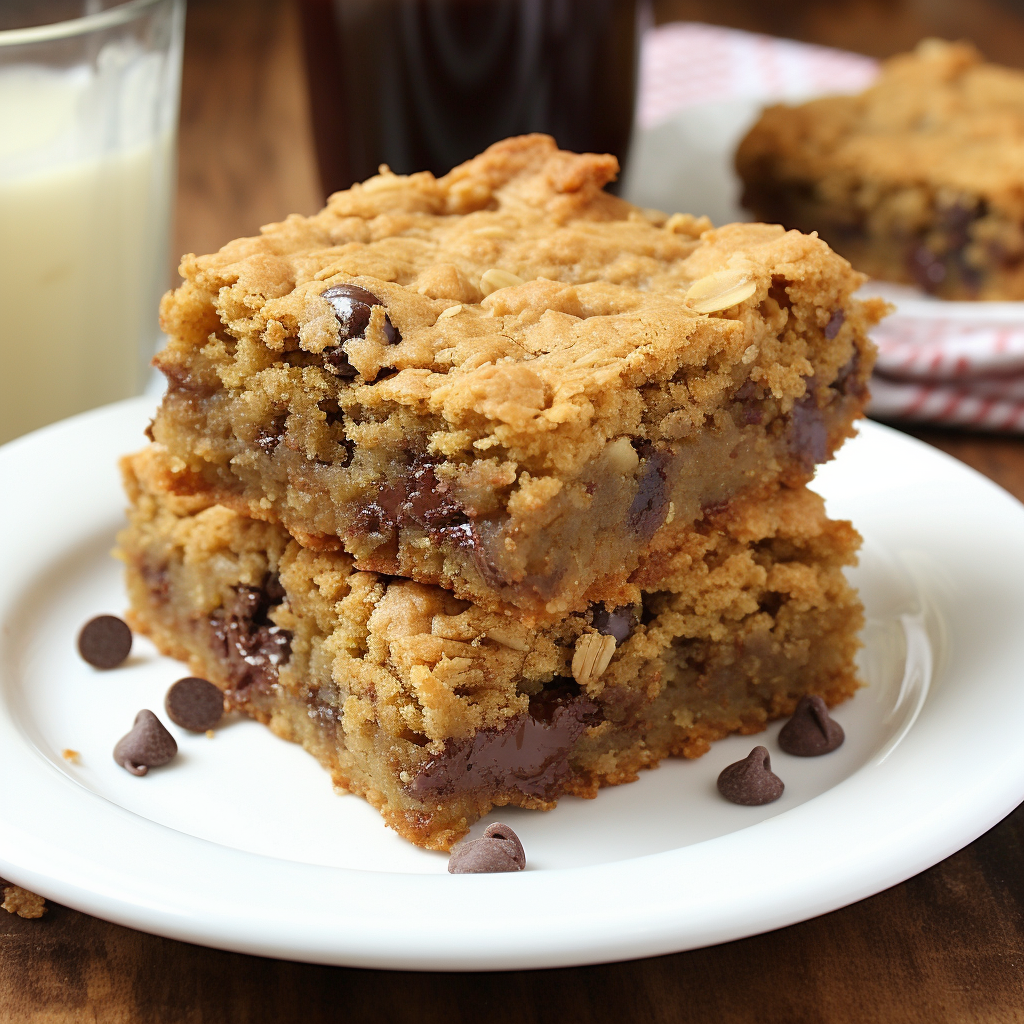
242 844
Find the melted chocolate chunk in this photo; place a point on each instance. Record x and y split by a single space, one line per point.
428 503
248 641
352 306
835 322
417 498
650 505
617 622
530 755
811 731
808 435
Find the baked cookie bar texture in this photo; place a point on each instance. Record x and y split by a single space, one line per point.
918 179
506 381
435 709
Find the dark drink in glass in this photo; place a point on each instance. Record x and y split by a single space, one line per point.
425 84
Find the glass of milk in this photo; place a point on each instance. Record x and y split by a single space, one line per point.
88 122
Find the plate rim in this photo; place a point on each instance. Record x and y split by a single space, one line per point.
181 905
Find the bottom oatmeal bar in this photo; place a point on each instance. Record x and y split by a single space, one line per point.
435 710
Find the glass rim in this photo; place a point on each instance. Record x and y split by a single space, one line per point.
109 18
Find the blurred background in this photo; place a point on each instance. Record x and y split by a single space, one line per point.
244 97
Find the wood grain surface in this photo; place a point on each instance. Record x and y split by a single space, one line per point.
947 945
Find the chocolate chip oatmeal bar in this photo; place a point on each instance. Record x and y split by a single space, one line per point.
917 180
507 382
435 709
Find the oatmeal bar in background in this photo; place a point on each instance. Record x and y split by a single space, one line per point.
435 709
506 381
917 179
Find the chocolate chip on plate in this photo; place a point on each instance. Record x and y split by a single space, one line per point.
105 641
811 731
194 704
148 745
751 781
498 849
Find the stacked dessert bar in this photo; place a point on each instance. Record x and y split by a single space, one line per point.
491 488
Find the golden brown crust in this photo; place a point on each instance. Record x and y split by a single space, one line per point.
552 356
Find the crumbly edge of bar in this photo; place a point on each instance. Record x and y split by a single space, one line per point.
442 670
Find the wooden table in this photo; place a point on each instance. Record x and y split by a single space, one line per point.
947 945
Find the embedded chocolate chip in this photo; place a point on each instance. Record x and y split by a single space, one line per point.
847 380
194 704
246 638
808 434
148 745
650 505
105 641
498 850
835 321
811 731
352 305
751 781
617 622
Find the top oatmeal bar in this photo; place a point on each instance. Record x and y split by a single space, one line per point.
507 381
918 179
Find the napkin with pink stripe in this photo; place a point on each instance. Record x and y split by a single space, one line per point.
949 363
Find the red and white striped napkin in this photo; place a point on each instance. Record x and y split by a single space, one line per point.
950 363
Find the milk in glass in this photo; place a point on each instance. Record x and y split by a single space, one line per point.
86 168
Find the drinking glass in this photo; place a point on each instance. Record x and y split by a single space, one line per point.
425 84
88 124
